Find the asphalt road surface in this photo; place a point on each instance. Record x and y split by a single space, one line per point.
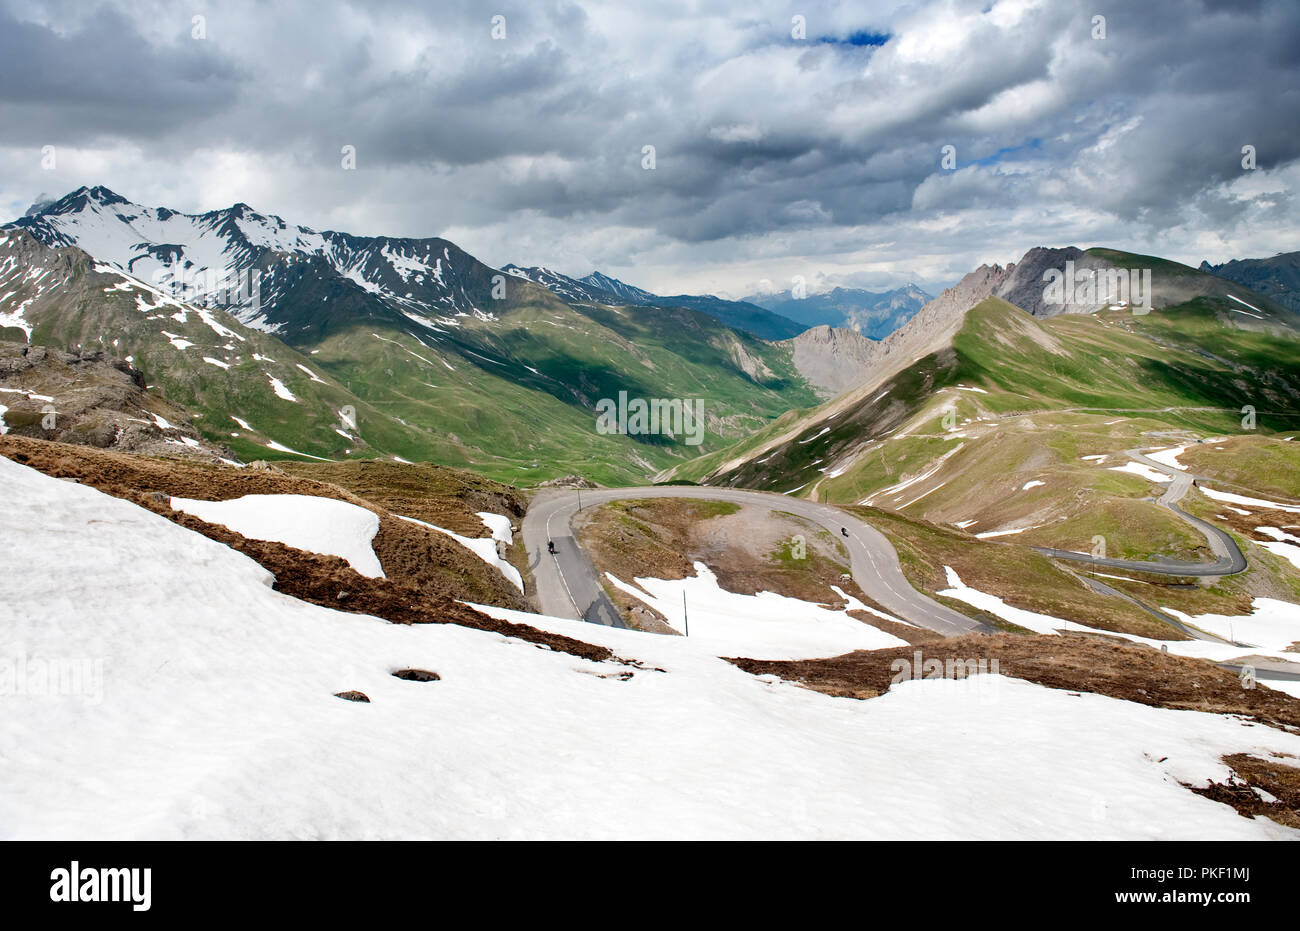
567 585
1228 558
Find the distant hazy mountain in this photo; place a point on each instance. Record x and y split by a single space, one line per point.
1278 277
598 288
872 313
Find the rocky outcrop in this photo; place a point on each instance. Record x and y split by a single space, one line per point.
833 359
1020 283
1025 283
91 399
568 481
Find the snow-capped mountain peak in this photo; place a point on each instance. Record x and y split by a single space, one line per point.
261 268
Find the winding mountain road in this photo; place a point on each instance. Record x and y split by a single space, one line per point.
1228 558
568 586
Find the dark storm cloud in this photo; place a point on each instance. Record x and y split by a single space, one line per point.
102 78
513 106
1204 85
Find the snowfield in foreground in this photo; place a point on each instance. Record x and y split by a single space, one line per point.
305 522
211 715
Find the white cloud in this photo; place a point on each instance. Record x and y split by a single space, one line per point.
775 157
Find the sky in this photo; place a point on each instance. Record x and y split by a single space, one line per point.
789 138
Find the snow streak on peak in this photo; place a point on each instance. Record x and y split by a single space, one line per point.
628 294
570 289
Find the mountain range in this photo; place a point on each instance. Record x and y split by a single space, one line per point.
282 338
282 341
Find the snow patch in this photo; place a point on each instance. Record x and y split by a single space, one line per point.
989 534
1143 470
305 522
1169 457
1244 304
1230 498
1039 623
280 390
281 448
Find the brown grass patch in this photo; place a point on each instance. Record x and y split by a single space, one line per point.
1280 780
1074 662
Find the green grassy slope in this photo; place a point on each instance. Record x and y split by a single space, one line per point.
1018 429
510 394
514 397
